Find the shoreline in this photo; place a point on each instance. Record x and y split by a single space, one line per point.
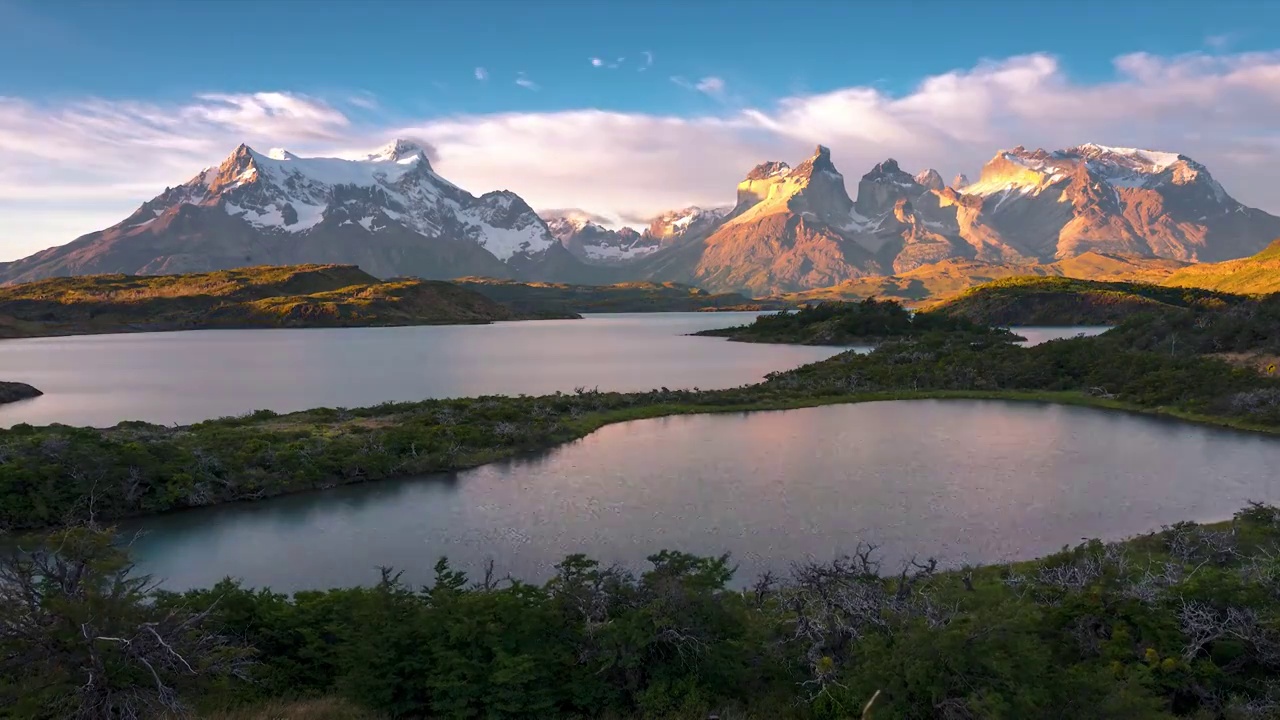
579 428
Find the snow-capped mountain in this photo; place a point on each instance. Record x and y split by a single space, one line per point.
796 228
791 228
388 212
1047 205
596 244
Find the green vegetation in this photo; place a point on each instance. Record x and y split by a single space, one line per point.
858 323
950 277
259 297
540 298
1183 623
1257 274
1066 301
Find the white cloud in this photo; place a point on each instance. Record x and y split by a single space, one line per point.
85 165
523 81
710 85
596 62
482 74
648 61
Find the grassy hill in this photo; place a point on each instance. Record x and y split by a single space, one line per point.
1257 274
949 277
258 297
540 297
1068 301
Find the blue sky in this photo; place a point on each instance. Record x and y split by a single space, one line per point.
111 101
420 57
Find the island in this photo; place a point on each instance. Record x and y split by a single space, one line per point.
545 297
298 296
869 322
15 391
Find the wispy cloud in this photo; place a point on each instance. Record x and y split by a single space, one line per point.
523 81
709 85
364 100
600 62
482 74
1221 41
71 167
648 61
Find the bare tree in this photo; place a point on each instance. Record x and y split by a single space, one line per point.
79 631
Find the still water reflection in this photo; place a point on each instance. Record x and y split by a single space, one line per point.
972 481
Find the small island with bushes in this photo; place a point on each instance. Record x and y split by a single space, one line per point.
300 296
868 322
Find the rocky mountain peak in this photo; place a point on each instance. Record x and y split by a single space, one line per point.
879 189
960 181
820 161
930 179
769 169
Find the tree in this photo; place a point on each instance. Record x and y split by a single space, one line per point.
79 637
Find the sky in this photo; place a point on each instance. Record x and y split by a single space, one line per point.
622 109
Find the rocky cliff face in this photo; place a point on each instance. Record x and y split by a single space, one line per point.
796 228
1052 205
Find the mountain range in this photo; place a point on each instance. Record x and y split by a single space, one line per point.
790 228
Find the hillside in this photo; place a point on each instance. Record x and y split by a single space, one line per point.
1068 301
259 297
542 298
949 277
1257 274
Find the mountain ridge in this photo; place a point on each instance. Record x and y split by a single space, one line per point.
791 229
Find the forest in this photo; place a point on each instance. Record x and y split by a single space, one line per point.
1180 623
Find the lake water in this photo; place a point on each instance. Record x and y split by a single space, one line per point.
184 377
189 376
966 481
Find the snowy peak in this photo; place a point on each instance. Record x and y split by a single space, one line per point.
676 224
596 244
1144 161
399 151
930 179
1032 171
390 189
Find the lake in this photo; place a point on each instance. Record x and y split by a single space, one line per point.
965 481
184 377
